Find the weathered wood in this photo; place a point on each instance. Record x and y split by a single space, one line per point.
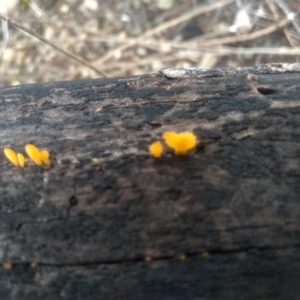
231 206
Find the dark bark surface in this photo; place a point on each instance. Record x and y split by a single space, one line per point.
232 206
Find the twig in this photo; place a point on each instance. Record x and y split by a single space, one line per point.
213 42
65 52
196 12
222 51
196 48
247 37
286 10
5 32
274 11
193 54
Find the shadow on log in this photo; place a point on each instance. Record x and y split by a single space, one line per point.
221 223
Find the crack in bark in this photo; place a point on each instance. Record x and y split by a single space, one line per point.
232 229
203 254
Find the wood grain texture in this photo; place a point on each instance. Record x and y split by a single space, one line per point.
232 205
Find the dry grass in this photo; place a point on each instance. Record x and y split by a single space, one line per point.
95 38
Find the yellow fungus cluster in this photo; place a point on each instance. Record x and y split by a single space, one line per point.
40 158
17 159
180 142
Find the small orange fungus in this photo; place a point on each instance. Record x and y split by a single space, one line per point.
39 157
7 265
180 142
205 254
45 157
21 160
34 153
18 160
95 160
12 156
181 257
34 264
148 258
156 149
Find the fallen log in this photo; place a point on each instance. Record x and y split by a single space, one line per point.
109 221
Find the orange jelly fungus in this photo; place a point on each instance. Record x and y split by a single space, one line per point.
156 149
18 160
180 142
39 157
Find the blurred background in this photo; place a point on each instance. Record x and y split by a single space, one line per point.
132 37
